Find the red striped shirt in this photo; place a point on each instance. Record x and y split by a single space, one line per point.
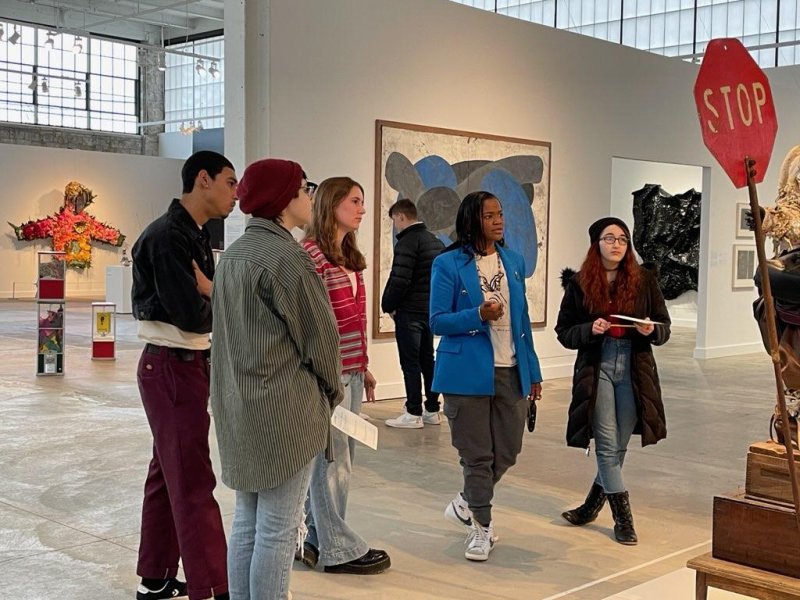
350 310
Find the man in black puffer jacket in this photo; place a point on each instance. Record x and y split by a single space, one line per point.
406 298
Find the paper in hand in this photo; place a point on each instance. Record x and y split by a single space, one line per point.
635 320
354 426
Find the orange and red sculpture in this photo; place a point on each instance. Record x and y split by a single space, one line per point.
72 229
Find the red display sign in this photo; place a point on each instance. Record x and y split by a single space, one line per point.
735 107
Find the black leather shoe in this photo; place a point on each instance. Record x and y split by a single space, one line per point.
372 563
310 555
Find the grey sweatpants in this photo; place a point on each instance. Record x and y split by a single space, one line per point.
487 432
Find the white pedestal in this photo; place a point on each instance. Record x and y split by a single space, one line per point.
118 287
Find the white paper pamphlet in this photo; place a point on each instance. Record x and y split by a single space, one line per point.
635 320
354 426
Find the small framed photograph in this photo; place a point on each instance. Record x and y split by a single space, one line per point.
745 261
742 230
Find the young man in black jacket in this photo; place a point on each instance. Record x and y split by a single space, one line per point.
406 298
172 271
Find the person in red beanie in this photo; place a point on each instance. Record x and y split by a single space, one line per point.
275 378
331 243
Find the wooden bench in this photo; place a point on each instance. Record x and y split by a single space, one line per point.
740 579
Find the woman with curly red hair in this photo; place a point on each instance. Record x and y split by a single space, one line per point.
615 387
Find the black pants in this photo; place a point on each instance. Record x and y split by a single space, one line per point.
415 346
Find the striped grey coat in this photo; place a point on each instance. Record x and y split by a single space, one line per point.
275 364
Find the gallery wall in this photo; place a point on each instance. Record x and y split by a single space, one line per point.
437 63
131 191
628 176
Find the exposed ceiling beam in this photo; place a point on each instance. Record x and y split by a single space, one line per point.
142 13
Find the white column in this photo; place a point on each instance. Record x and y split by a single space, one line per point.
246 91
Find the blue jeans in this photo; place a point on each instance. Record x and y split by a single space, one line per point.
330 485
614 415
263 539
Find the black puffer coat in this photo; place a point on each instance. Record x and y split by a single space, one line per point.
574 331
409 285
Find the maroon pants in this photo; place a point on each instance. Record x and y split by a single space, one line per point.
180 517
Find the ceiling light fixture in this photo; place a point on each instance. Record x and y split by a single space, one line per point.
200 67
32 84
77 47
78 90
2 32
50 42
161 64
45 87
213 70
14 37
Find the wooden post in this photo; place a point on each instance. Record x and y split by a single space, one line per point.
772 331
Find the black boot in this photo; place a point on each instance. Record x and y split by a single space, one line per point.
623 519
588 511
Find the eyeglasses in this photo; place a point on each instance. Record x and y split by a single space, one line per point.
309 188
610 239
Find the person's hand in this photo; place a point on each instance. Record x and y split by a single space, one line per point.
645 329
203 283
369 386
491 310
536 391
600 326
751 222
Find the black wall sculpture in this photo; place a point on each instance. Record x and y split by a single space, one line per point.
666 232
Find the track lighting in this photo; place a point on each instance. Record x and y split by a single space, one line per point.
77 47
14 37
50 42
45 87
201 67
213 70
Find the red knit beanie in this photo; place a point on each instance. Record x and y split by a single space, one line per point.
268 186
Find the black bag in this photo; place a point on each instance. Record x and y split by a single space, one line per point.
531 414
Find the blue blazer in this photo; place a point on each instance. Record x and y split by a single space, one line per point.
465 357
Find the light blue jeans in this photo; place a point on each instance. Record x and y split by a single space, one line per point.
614 415
264 537
330 485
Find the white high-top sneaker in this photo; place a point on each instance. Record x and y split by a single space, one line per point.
458 513
480 541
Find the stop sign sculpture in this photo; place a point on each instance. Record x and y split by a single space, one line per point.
735 107
737 118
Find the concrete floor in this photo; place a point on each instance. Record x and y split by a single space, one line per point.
75 450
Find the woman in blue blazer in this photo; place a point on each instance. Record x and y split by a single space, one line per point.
485 363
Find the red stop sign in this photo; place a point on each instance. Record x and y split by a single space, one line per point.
735 107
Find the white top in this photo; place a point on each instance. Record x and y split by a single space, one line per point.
164 334
494 285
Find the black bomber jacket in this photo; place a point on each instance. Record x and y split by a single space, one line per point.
164 284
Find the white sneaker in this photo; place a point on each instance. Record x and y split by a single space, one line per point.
480 541
458 512
431 418
406 421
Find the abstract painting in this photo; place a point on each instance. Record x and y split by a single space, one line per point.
435 168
